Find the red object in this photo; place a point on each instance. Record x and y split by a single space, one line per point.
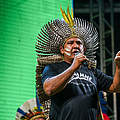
106 116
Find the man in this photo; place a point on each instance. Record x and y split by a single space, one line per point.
73 84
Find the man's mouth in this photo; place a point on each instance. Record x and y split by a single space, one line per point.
76 51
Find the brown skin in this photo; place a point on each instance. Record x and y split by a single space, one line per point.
115 87
74 45
57 83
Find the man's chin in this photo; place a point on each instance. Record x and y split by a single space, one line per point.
73 55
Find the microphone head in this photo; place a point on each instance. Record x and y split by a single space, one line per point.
77 53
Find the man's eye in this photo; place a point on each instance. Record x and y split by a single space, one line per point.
70 42
78 42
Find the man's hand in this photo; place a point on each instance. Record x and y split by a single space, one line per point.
78 59
115 86
117 60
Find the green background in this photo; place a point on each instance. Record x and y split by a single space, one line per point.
20 22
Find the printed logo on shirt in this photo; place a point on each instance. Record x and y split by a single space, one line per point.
84 82
80 77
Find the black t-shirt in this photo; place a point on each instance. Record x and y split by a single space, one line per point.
80 92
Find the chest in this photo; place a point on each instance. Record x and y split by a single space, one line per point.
83 82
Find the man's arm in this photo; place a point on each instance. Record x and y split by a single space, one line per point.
115 86
57 83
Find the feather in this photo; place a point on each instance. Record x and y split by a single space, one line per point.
38 103
21 111
72 13
64 16
71 23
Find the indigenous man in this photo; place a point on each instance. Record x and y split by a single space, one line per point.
73 83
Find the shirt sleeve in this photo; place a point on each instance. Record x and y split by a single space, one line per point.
48 72
103 81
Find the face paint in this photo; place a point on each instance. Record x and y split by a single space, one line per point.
67 53
67 49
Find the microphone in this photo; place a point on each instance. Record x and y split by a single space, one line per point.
90 63
83 62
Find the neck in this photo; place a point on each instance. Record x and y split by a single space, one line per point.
68 61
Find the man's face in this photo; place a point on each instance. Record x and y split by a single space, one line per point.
71 47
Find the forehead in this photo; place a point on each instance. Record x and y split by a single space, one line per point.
74 39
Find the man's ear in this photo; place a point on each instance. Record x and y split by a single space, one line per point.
85 49
61 50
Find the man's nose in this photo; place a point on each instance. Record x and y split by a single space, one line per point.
75 45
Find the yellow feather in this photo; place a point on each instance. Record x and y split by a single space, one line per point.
69 17
72 13
64 16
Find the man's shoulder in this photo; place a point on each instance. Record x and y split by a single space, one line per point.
96 71
56 64
57 67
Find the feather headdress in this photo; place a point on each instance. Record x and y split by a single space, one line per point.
30 110
56 32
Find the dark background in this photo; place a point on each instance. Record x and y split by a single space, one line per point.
82 10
